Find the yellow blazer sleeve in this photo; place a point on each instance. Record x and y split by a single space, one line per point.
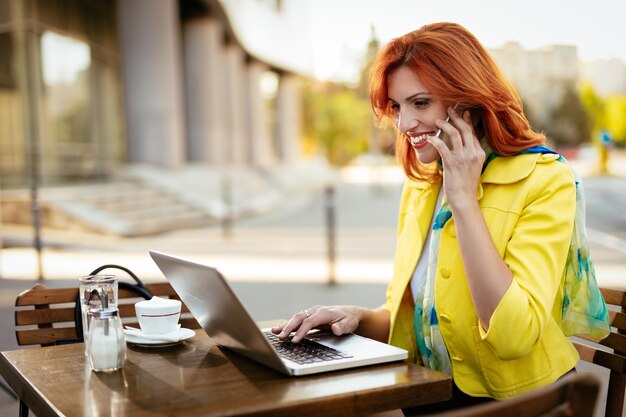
536 254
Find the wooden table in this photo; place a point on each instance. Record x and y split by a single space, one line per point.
198 378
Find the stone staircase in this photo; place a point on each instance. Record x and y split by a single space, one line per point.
124 208
144 200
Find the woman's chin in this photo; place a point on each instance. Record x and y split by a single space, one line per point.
427 155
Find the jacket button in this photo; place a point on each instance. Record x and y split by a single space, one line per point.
445 272
457 357
444 317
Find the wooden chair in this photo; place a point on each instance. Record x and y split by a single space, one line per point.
613 358
45 316
574 396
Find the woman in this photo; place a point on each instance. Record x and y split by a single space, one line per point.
485 222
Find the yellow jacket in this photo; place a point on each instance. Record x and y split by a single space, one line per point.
529 204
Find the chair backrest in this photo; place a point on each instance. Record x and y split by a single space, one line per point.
574 395
45 316
613 358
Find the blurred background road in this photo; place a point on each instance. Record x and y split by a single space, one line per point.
291 242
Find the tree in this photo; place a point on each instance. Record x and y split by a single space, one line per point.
595 107
570 124
606 113
336 122
616 118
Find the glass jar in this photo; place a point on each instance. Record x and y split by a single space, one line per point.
106 346
92 290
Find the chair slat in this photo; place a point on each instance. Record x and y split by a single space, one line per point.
48 316
585 352
615 341
615 297
126 310
618 320
40 295
189 323
612 361
44 336
592 354
161 289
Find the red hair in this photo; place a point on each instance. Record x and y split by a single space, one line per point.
454 66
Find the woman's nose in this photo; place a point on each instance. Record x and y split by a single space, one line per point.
406 121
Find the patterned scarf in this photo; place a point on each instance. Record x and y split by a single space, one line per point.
584 310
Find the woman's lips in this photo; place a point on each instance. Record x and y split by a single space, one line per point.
418 141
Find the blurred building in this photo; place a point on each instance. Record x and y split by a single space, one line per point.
542 76
87 85
608 76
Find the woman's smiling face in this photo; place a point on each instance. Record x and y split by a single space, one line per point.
416 110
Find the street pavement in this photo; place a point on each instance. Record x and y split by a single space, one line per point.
277 262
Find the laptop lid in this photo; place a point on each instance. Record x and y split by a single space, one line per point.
224 318
215 306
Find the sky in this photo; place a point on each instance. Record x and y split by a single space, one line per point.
64 58
342 27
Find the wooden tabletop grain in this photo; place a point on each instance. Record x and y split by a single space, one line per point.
198 378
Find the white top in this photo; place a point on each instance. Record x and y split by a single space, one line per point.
419 275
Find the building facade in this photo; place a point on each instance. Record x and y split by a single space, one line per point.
541 76
87 85
608 76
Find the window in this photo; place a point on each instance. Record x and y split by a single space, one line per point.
67 148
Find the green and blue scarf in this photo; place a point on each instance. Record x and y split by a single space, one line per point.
584 310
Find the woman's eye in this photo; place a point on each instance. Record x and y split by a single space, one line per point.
421 103
394 109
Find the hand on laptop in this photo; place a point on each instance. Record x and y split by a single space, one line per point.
340 320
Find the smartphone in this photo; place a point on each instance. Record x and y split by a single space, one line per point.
439 131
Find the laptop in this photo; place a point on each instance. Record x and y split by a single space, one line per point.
223 317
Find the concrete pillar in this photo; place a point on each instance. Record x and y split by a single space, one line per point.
257 137
235 104
151 58
205 88
288 119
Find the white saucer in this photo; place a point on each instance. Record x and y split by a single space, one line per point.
150 343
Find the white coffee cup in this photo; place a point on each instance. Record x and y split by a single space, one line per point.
158 315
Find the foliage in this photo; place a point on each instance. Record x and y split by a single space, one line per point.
336 122
594 105
570 124
606 113
616 118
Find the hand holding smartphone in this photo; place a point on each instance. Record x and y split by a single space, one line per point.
439 131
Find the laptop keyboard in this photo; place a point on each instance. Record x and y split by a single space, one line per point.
304 352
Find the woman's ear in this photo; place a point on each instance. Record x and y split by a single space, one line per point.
476 114
477 118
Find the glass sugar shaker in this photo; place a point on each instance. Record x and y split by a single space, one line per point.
106 346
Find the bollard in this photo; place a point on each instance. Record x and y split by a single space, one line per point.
329 199
36 216
227 218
